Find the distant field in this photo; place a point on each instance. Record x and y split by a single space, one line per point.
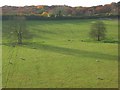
61 54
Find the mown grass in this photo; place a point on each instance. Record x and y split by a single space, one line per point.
60 55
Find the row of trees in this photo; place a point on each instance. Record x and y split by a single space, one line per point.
62 10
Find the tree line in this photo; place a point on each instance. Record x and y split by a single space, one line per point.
62 10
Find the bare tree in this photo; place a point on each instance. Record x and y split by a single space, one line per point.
98 31
15 29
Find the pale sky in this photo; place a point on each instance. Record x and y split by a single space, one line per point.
56 2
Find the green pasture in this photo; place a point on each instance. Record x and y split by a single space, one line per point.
62 55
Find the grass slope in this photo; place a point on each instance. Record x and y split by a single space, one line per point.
56 57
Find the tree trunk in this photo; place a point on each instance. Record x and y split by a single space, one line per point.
19 38
98 38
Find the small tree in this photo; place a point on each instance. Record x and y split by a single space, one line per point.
15 29
98 31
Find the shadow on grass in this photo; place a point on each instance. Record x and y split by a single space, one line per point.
40 33
70 51
44 31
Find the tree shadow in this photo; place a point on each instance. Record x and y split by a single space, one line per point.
40 33
70 51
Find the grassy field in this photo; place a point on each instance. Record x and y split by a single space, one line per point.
61 54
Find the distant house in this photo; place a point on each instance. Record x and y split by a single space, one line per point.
40 7
45 14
